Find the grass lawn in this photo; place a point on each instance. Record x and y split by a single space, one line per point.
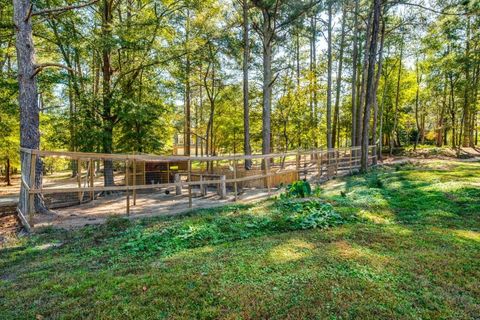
408 247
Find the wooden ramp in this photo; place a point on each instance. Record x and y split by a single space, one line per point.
177 183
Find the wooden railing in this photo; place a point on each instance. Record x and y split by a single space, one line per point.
325 163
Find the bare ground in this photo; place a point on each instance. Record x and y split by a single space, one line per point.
147 205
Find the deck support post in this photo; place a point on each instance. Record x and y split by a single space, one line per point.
297 164
127 164
134 182
235 185
91 177
350 161
178 186
223 187
267 173
203 187
189 185
79 179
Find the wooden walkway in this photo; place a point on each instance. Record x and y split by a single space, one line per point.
205 182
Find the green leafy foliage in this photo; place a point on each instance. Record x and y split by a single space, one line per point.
298 189
374 181
213 228
313 213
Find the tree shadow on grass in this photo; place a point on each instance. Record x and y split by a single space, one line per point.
415 198
421 204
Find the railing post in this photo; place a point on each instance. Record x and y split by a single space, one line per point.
168 172
321 163
189 185
350 162
134 182
203 187
337 159
223 187
127 164
329 162
235 185
267 173
298 164
90 177
178 186
305 170
79 179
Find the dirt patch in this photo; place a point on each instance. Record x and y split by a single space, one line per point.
9 226
443 153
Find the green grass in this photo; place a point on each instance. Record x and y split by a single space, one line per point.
406 246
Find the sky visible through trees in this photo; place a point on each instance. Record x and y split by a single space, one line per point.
139 76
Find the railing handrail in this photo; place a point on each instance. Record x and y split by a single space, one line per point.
74 155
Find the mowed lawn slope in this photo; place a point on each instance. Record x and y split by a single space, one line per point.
409 249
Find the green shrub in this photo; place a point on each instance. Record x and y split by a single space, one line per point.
117 223
285 214
299 189
317 192
374 182
307 214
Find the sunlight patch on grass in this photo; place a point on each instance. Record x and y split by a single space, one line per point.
347 251
373 217
467 234
399 230
205 250
369 198
438 214
444 186
47 246
293 250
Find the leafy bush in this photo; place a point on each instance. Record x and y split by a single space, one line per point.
299 189
317 192
375 182
117 223
308 214
213 227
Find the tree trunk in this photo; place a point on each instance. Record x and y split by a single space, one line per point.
297 57
361 104
27 97
329 78
7 172
376 83
107 117
354 74
313 70
380 131
336 114
211 94
246 117
370 89
417 101
466 105
188 104
267 82
453 113
440 124
397 98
